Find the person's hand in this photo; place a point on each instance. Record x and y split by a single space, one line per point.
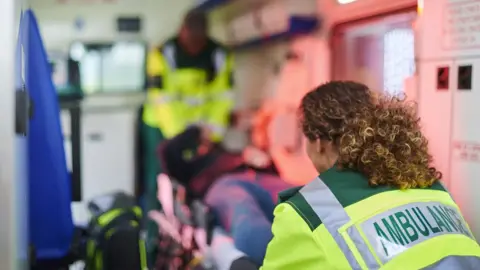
256 157
205 142
205 133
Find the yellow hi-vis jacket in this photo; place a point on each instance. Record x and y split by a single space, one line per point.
185 89
338 221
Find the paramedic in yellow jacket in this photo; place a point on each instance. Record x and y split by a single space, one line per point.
377 203
189 83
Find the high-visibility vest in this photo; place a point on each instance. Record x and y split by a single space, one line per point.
338 221
184 90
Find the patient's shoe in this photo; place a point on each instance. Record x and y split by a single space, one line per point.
223 250
243 263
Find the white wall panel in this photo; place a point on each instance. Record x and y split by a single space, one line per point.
161 18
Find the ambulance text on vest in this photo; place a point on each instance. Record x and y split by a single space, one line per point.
396 230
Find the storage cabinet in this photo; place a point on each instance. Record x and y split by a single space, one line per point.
449 108
107 149
108 152
449 103
465 140
436 114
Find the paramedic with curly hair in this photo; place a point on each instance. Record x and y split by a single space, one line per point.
377 203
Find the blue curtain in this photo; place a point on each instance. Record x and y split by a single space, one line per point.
50 218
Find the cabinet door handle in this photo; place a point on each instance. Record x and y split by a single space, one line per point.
23 111
95 137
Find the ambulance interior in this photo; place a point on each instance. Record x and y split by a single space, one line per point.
427 50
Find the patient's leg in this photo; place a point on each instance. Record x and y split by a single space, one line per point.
241 215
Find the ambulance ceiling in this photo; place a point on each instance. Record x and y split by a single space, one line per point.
162 8
65 20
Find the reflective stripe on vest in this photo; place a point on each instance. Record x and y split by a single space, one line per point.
456 262
163 99
167 98
333 216
169 54
226 95
219 60
193 100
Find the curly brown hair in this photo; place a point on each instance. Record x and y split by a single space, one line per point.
375 134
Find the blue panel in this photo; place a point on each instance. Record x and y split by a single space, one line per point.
209 5
21 167
50 217
297 26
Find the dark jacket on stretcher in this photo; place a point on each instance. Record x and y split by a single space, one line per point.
197 172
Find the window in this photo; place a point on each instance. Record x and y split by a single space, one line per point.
110 67
378 52
398 59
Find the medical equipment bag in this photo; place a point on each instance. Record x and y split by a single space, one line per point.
114 234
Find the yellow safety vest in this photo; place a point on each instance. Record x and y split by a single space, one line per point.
339 222
180 96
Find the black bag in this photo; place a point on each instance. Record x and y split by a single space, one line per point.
114 241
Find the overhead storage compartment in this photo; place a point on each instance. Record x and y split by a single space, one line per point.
294 26
275 21
262 34
207 5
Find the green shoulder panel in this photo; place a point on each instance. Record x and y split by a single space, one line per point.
299 204
350 187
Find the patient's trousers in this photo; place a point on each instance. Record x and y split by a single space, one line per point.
243 204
